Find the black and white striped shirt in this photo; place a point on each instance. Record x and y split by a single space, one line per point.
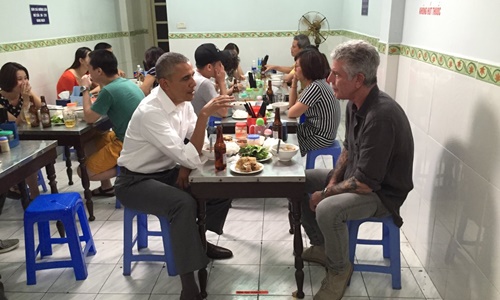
322 117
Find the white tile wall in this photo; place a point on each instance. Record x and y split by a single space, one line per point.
451 215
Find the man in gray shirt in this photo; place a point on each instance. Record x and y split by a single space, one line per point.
373 174
208 65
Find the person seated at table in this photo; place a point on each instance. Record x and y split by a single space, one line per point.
71 77
15 92
317 102
106 46
150 57
299 42
118 100
155 164
238 72
208 65
373 175
230 61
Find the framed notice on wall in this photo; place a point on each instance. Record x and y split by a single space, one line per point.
364 7
39 14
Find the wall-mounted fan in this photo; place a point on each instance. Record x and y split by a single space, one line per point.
312 24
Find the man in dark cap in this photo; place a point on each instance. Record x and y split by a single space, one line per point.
208 65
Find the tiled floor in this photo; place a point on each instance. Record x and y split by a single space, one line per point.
256 231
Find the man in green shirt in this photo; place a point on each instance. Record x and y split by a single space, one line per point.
117 99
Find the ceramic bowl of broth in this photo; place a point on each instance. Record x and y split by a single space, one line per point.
286 153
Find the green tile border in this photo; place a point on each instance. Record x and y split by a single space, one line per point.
11 47
475 69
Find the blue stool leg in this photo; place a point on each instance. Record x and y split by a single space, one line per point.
41 181
75 248
29 240
142 231
386 237
353 227
167 246
45 245
128 222
395 256
86 233
117 202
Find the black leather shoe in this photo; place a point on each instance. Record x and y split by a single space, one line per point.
216 252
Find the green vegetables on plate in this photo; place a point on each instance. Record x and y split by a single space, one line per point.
57 119
258 152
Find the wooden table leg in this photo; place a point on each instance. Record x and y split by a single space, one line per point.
85 182
298 247
69 171
25 196
51 177
202 273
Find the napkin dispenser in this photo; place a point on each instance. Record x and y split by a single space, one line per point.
76 96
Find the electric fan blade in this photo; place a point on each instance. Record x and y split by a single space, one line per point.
306 21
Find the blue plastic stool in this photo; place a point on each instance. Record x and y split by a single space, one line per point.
52 207
41 181
391 248
129 240
334 151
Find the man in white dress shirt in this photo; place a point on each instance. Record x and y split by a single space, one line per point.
155 163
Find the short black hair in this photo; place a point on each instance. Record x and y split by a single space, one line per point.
232 46
80 53
8 75
313 63
105 60
151 56
102 46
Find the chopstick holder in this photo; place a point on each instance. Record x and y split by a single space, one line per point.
251 110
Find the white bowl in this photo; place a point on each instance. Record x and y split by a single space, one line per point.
287 151
282 105
206 152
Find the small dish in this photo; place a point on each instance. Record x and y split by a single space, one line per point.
269 156
233 169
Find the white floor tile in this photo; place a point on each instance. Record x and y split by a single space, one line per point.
256 231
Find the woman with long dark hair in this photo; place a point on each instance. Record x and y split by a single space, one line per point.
71 77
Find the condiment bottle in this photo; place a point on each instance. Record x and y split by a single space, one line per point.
4 144
220 151
236 90
69 115
253 139
277 125
33 114
45 114
269 92
240 130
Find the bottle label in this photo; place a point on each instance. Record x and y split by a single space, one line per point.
275 134
45 119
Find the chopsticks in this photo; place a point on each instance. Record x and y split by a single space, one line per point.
210 139
278 147
249 110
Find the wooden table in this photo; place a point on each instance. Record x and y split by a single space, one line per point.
76 137
27 158
277 180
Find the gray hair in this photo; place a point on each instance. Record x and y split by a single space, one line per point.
358 57
165 66
302 40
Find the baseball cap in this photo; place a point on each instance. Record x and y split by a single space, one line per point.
206 54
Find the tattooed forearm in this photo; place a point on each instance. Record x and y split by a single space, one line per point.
350 185
340 167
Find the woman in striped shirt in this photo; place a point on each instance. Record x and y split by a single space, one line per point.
317 102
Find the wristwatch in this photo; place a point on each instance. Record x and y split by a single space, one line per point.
323 192
84 88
